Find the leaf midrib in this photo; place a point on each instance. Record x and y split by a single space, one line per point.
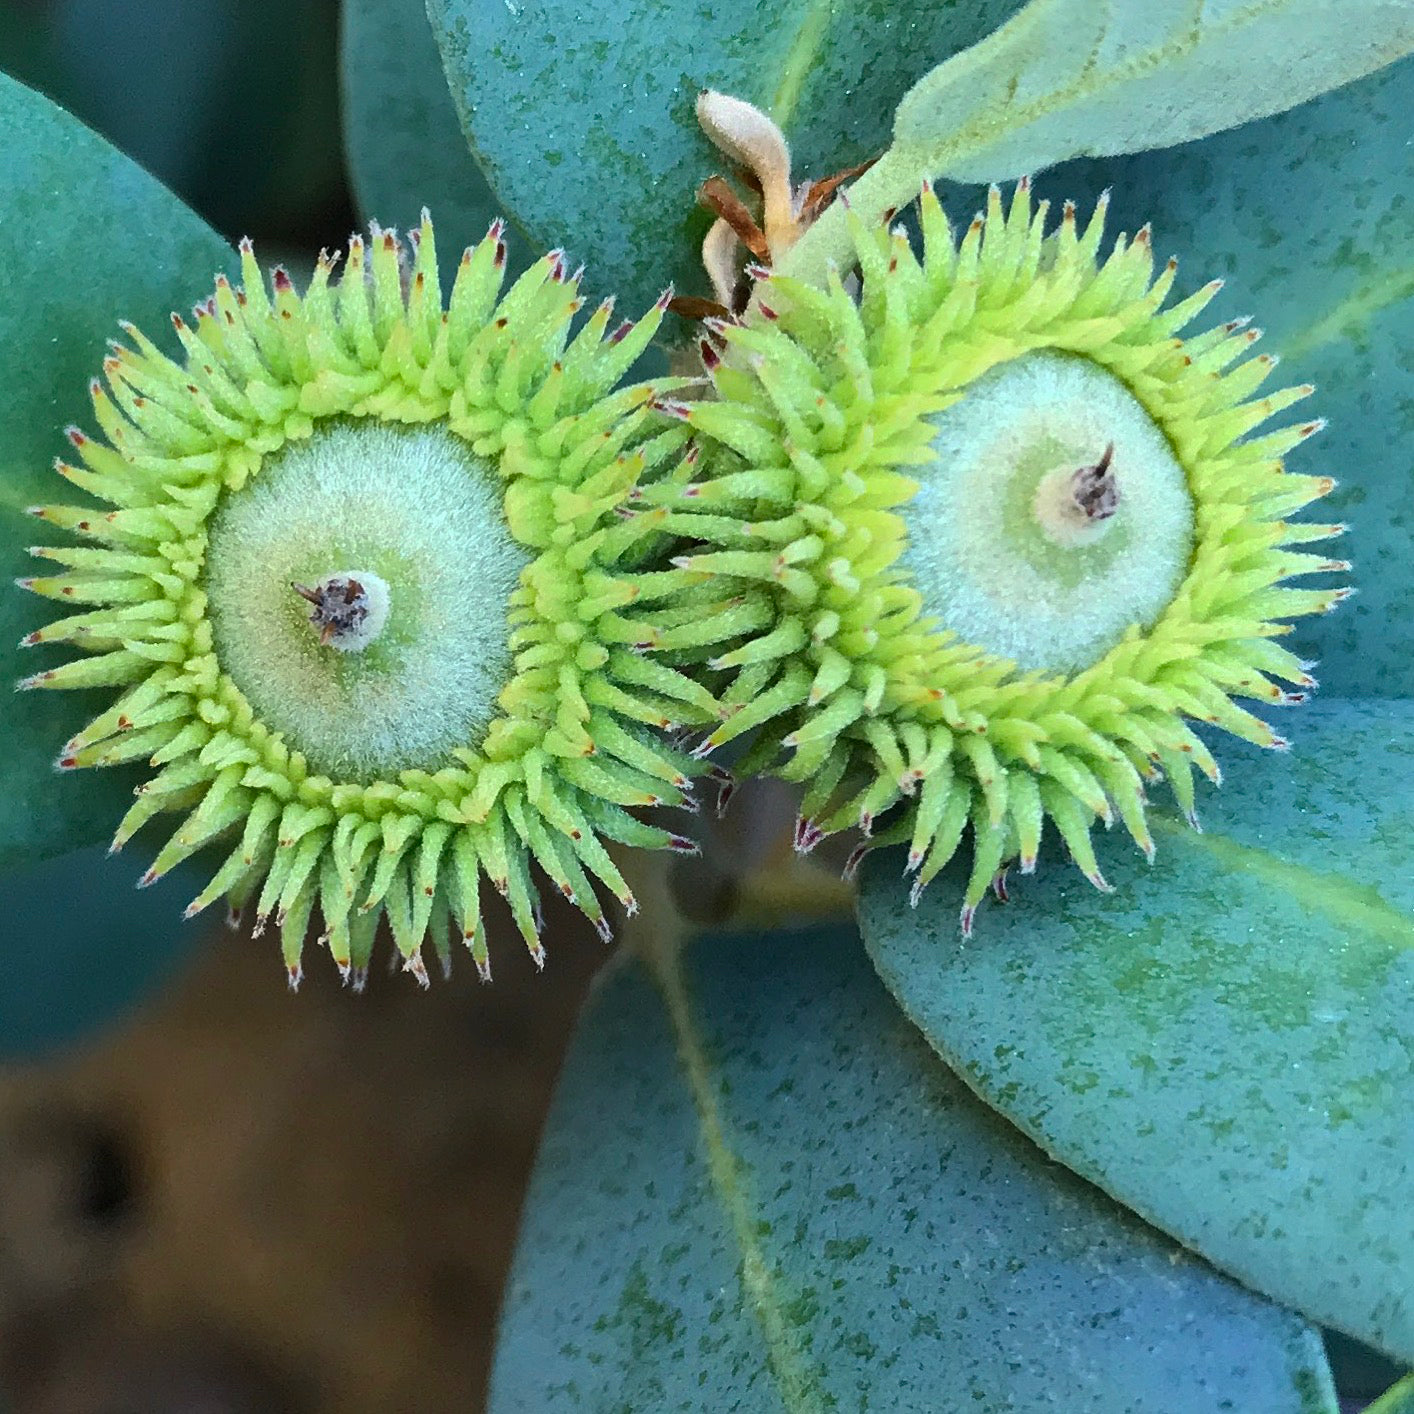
1337 896
797 1385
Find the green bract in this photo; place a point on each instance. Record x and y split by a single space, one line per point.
1013 532
450 487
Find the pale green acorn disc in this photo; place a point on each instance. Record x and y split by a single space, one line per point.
413 506
995 558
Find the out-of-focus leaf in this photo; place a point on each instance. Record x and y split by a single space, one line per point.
81 946
1226 1043
86 238
405 146
582 115
758 1190
237 114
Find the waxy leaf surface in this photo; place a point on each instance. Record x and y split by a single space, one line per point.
1226 1042
582 115
759 1190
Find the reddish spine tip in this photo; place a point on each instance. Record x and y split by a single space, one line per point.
280 277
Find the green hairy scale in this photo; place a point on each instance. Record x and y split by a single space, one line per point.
1014 534
454 487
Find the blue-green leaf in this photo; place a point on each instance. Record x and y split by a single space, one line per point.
405 145
758 1190
582 114
86 238
1226 1043
82 947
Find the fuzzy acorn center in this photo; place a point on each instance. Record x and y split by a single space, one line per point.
358 588
1053 516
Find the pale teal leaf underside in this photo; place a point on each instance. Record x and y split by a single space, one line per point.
1074 78
1225 1043
86 238
758 1190
582 115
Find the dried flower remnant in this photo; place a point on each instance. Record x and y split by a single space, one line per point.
752 140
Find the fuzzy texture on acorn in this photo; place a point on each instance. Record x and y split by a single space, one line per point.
1016 535
372 587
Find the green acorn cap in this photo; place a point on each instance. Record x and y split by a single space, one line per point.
1014 532
375 598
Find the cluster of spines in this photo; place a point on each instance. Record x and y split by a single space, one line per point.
824 403
571 752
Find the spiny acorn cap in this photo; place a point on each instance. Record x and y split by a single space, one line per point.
1014 532
450 488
